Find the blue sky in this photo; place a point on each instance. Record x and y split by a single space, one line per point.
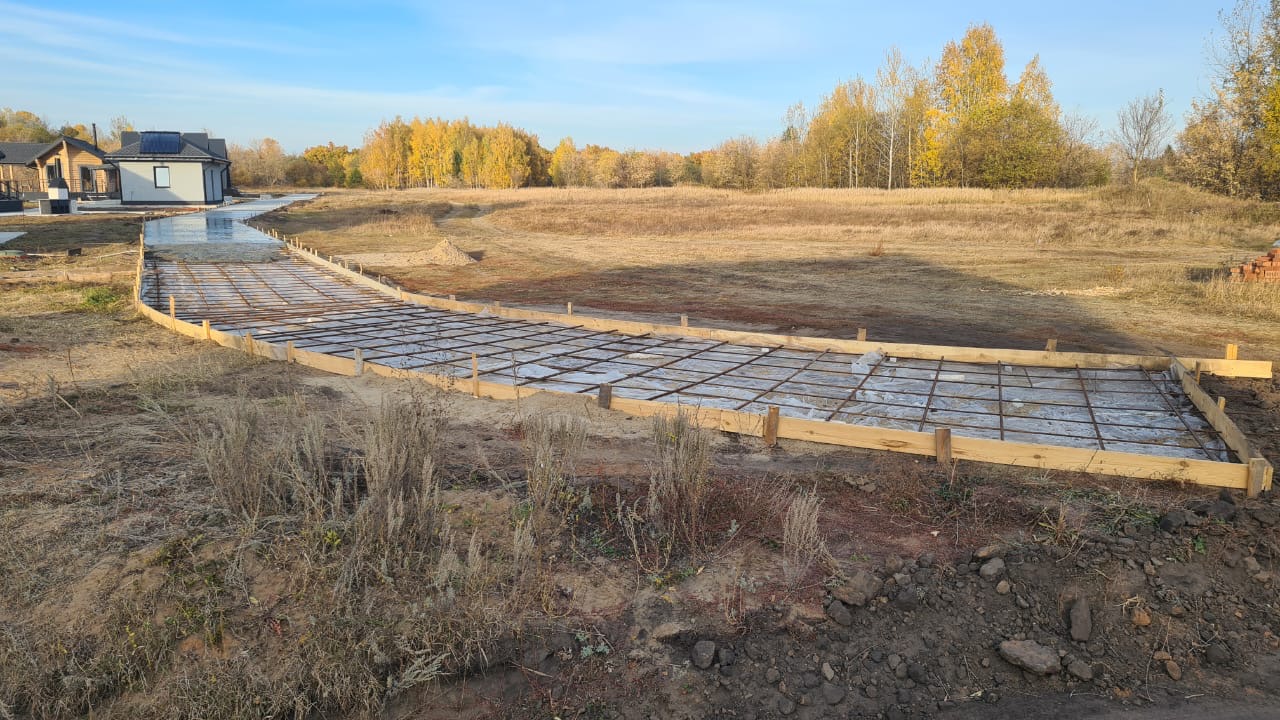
677 76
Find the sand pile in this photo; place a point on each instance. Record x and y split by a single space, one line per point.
446 253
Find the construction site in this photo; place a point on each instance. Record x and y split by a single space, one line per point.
404 455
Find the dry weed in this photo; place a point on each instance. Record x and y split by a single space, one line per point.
553 444
803 544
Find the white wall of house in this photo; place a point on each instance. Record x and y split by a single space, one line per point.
186 182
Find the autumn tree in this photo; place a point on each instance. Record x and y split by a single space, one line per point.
1231 142
261 163
566 166
384 160
1141 128
331 160
894 84
24 126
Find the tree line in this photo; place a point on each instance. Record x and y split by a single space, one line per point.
959 122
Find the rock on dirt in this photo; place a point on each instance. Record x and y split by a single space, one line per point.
992 569
1080 670
1031 655
857 588
1081 620
833 694
704 653
839 613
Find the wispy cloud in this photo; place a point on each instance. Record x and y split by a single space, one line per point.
40 25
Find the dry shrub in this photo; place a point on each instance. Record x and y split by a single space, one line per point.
399 520
673 516
678 488
553 444
238 460
803 544
288 469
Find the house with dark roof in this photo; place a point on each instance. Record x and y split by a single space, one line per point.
80 164
10 196
171 168
16 170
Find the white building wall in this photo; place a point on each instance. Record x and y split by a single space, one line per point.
137 182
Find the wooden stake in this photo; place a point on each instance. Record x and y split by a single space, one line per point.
771 427
1222 403
1233 352
568 308
684 321
173 314
207 334
359 361
1197 373
475 375
1051 345
453 298
248 343
290 356
1259 470
942 445
862 334
605 397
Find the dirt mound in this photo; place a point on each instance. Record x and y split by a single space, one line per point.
446 253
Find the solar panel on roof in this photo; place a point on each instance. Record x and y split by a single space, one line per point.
161 143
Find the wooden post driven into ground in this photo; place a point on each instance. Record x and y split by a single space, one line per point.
771 426
475 375
1051 345
358 355
1260 476
942 446
605 396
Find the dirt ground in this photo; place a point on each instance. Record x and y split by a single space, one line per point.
134 585
1113 269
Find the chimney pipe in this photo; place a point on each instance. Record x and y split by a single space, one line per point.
95 137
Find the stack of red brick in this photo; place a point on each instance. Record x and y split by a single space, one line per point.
1264 269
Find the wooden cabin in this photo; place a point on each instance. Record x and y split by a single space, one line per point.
84 167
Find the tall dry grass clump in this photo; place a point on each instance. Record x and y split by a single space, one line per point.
237 459
399 521
673 515
678 489
256 472
803 544
553 444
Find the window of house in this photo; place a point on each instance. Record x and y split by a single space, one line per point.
162 176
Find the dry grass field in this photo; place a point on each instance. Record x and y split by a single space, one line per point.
107 242
1112 269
